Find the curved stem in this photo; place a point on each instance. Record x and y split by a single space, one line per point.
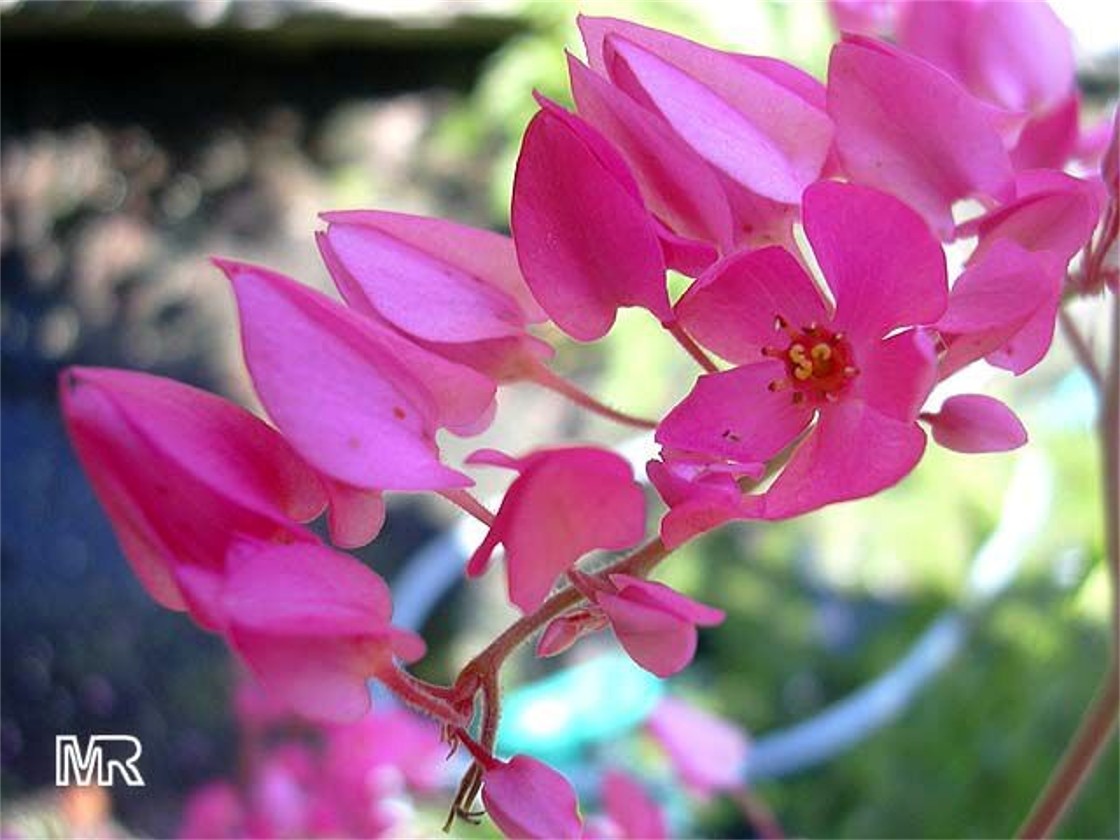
691 347
463 500
1080 348
422 696
548 378
1066 781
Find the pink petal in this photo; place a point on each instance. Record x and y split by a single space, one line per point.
179 471
734 307
694 506
656 640
734 414
864 17
666 599
563 632
565 503
906 128
976 423
897 374
936 31
881 261
757 131
527 798
401 278
356 515
1059 217
678 186
481 254
708 752
690 257
346 393
313 625
584 241
1050 138
854 451
1020 55
631 808
1010 295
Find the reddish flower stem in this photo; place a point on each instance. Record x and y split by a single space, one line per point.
1080 349
1100 717
548 378
1092 735
430 699
691 347
760 816
463 500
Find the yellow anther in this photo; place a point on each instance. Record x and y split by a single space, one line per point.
821 352
802 373
797 353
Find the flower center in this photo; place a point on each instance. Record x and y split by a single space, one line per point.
819 364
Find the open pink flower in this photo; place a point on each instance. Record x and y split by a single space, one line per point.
181 473
655 624
563 504
585 241
313 625
355 398
709 753
860 370
394 267
527 798
905 127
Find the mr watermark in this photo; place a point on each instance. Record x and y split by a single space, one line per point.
105 760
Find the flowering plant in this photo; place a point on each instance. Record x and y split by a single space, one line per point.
812 220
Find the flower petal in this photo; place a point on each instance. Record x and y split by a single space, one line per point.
976 423
881 261
656 640
678 185
527 798
584 241
897 374
708 752
400 276
564 503
906 128
755 130
734 414
854 451
733 308
631 808
667 599
345 392
356 515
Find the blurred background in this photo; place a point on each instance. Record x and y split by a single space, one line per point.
139 138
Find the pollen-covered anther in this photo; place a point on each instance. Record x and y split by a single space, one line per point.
818 362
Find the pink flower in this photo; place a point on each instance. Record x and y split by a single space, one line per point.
629 813
312 625
181 474
1003 309
781 134
387 742
857 369
701 495
708 752
976 423
1052 211
905 127
355 398
655 625
1018 56
563 504
585 242
394 267
527 798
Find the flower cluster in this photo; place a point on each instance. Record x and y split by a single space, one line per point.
819 352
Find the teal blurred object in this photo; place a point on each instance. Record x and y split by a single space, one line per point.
600 700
